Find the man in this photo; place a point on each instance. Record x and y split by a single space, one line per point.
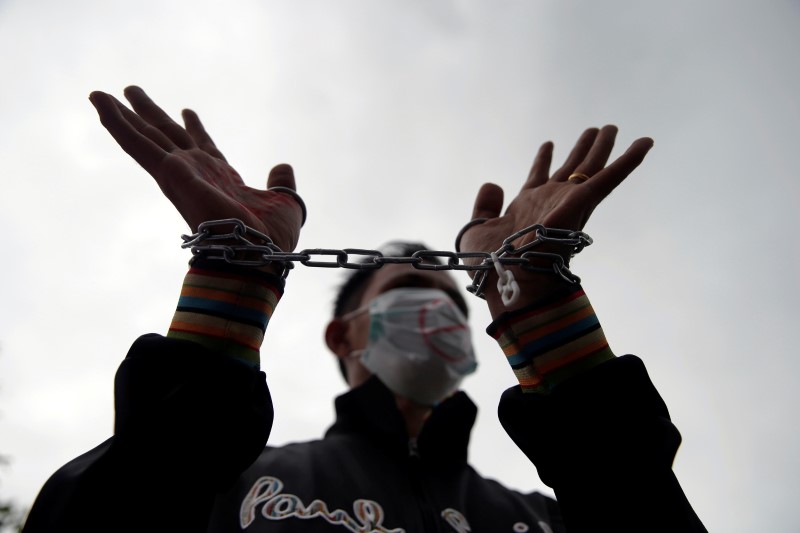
391 461
193 411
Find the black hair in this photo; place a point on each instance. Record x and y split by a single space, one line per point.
350 292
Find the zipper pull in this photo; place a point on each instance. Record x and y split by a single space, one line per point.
412 448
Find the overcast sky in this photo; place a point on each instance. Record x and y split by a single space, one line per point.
393 113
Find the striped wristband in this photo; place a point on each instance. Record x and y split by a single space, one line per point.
226 309
550 341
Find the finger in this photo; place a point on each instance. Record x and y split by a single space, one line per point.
578 153
610 177
151 132
540 170
488 202
281 176
198 133
142 149
155 116
597 157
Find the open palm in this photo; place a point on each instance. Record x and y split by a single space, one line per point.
563 200
193 173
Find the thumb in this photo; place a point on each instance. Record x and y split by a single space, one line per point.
281 179
281 176
489 201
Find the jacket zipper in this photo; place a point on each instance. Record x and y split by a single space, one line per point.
430 518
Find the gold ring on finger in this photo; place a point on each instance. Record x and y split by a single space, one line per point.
577 177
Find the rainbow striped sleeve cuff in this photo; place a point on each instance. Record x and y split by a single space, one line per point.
226 309
550 341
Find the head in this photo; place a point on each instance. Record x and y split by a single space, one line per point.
347 337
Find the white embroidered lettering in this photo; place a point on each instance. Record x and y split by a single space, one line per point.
267 490
369 513
281 506
456 520
262 490
545 527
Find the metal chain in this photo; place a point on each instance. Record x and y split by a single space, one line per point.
206 243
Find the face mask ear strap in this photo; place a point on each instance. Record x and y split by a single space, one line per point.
354 313
355 354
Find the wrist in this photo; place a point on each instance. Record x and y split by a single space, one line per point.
231 241
532 263
228 256
534 287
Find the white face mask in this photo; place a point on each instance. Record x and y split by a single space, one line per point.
419 344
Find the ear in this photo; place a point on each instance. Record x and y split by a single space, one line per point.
336 338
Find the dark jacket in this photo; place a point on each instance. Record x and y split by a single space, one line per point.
190 421
366 475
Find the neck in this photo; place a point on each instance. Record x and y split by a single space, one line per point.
414 414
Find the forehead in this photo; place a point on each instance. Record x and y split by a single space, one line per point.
393 276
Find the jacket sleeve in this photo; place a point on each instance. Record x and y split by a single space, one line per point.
188 422
604 442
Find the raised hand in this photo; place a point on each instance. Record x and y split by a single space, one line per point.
193 173
563 200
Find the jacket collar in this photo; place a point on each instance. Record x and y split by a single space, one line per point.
370 411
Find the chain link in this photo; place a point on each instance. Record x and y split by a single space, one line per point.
207 243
